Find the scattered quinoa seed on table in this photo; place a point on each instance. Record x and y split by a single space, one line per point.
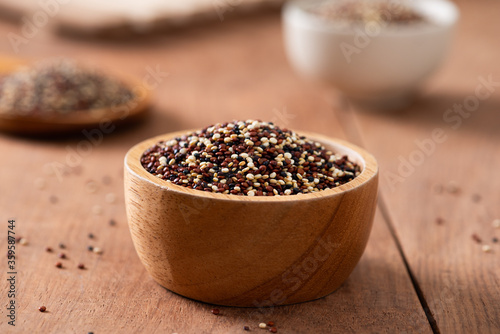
486 248
251 158
496 223
476 238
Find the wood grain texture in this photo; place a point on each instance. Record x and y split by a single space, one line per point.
236 70
460 282
250 251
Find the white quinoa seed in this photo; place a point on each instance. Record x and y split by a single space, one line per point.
282 160
496 223
262 325
110 198
97 209
91 186
486 248
40 183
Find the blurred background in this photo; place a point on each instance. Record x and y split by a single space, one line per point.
209 61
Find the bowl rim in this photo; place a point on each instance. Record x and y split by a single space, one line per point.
294 13
369 171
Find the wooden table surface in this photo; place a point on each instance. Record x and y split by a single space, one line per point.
421 272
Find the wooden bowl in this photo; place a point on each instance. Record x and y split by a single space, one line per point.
75 121
250 251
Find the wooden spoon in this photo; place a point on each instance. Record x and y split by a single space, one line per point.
75 121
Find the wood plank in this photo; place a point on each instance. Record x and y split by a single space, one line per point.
235 71
460 282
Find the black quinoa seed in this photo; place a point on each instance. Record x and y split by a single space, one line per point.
251 158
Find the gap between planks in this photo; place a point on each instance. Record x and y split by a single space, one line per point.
347 120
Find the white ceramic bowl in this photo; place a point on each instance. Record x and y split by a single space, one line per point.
381 65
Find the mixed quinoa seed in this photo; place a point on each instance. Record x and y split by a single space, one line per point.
251 158
369 11
59 86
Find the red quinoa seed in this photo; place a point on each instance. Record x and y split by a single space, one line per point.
250 158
